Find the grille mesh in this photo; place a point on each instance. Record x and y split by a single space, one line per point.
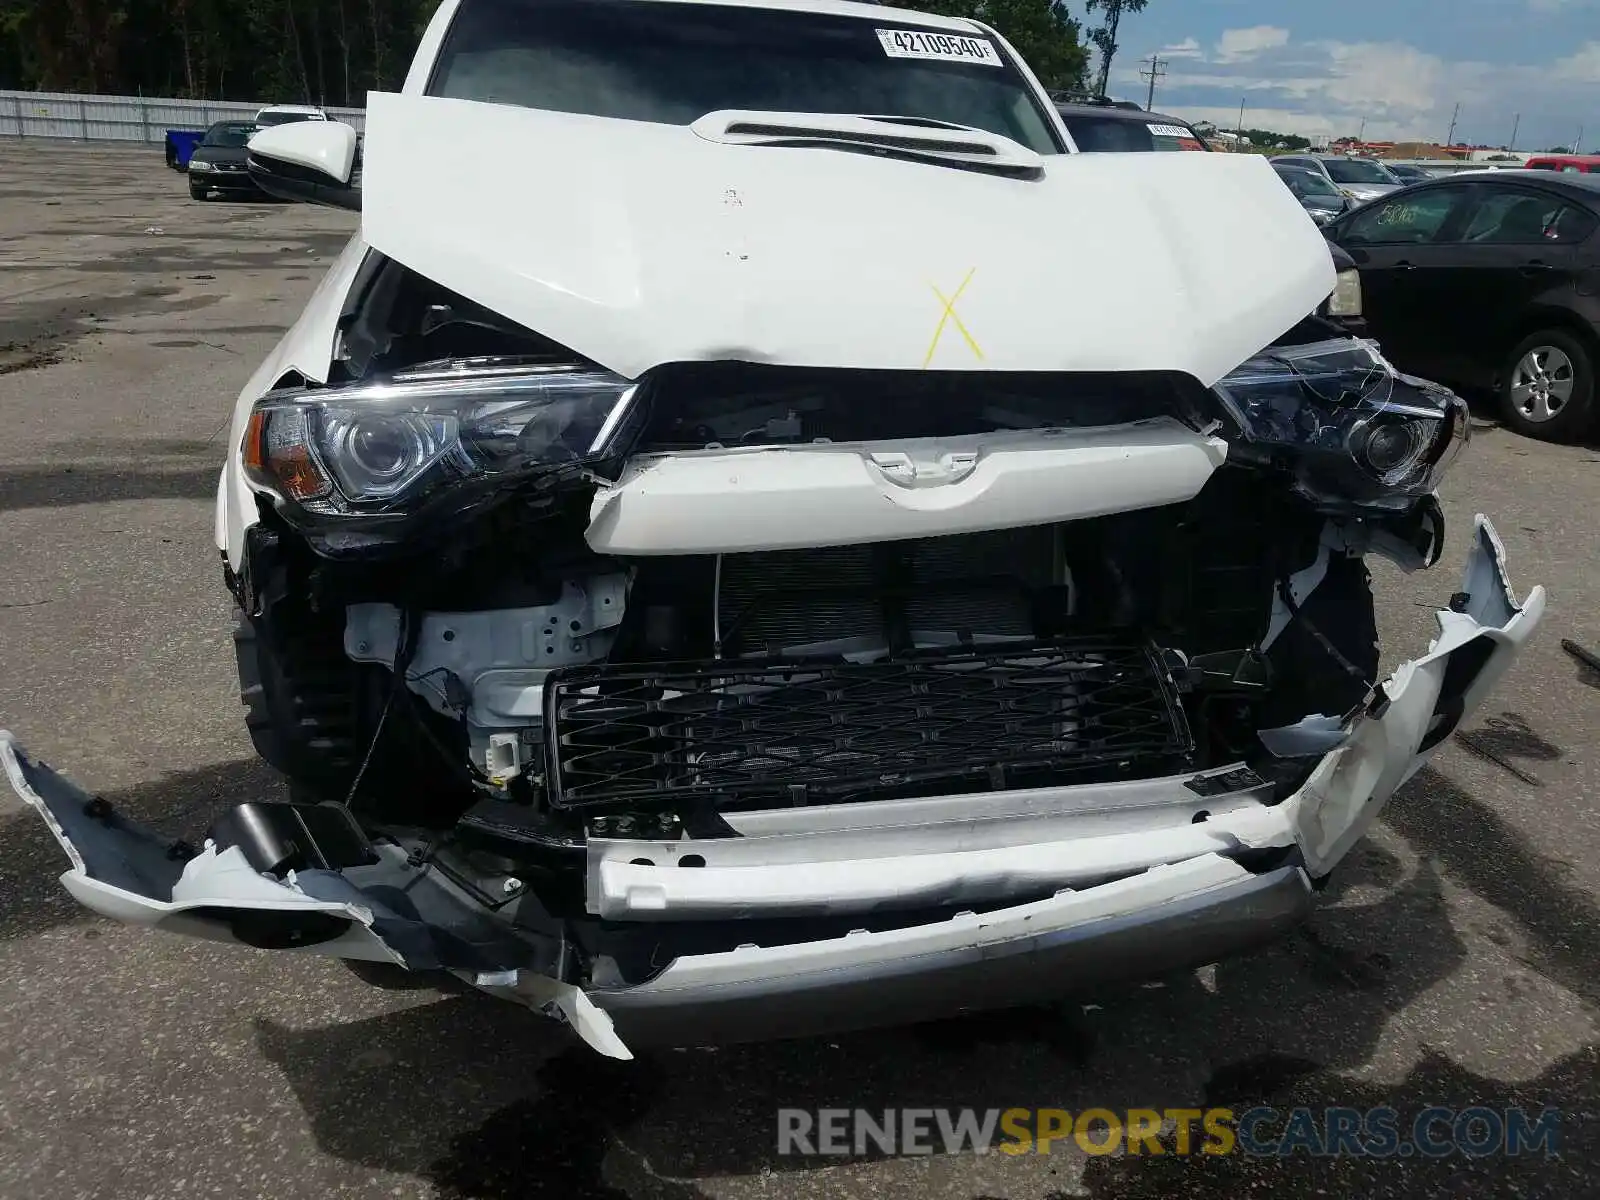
797 731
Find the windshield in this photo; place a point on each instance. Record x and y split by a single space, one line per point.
233 134
1309 183
1357 170
1096 134
286 118
639 60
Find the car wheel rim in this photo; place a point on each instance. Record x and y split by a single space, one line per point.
1542 383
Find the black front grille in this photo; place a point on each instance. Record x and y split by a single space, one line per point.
792 731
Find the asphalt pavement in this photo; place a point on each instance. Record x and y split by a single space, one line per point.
1456 960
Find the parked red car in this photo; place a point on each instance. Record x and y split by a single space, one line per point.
1582 164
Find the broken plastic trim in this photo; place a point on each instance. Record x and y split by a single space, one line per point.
389 911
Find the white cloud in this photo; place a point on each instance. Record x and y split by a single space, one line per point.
1280 120
1582 67
1188 48
1399 91
1237 44
1383 76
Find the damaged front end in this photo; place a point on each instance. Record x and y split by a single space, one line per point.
741 700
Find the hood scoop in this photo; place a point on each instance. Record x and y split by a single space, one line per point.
928 141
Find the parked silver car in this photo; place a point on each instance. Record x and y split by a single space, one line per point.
1361 179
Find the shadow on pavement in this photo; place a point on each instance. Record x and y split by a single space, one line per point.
1572 1084
1480 850
62 486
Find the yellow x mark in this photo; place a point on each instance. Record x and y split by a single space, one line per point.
950 315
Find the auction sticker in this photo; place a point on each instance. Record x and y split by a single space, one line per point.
1171 131
941 47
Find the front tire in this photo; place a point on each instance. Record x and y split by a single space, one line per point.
1547 387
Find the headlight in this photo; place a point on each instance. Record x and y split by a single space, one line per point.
376 450
199 166
1352 430
1346 298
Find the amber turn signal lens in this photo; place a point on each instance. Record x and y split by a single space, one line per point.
277 453
254 450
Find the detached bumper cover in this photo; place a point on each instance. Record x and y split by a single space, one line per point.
1183 894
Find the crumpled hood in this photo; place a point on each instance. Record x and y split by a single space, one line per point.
636 244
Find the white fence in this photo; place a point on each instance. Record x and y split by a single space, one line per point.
64 116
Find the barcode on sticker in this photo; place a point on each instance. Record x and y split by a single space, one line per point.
941 47
1172 131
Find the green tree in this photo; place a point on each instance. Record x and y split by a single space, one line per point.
1104 35
323 51
1043 32
1272 139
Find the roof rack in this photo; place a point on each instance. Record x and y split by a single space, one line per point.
1094 98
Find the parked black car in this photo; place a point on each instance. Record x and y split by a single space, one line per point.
218 162
1319 197
1099 125
1489 279
1409 172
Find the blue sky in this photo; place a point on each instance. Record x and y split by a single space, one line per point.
1321 66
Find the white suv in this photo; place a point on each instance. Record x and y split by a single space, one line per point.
286 114
755 534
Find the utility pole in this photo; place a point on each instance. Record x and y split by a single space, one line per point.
1450 138
1515 125
1239 130
1155 72
1361 134
1577 146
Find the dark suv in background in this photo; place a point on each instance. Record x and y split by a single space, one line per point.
1101 125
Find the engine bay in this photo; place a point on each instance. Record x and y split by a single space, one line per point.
569 692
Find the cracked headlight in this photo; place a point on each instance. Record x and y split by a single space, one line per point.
1351 429
380 449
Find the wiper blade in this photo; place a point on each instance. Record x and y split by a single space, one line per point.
916 138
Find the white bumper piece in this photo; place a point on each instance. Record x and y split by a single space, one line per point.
736 501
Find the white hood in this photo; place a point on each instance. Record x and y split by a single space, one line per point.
636 244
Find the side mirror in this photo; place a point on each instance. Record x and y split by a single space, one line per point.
309 161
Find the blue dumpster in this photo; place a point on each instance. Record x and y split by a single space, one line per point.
180 145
